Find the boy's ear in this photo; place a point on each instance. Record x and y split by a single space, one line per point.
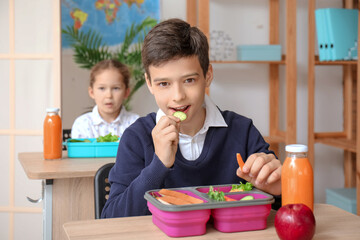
91 92
209 76
148 83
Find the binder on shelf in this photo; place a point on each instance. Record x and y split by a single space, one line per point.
319 21
343 31
328 44
330 34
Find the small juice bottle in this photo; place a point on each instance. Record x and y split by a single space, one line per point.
297 179
52 134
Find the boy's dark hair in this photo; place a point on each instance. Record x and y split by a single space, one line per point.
173 39
110 64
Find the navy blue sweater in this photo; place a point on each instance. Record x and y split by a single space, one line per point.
138 169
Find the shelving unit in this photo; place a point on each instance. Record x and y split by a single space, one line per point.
198 14
345 139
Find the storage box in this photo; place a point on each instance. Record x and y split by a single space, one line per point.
91 149
259 52
228 216
344 198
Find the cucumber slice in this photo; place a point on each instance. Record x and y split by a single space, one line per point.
180 115
249 197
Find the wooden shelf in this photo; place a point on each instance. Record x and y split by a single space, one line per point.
274 139
336 63
199 15
282 61
336 139
248 62
350 62
346 139
343 143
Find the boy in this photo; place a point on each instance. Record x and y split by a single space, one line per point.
160 151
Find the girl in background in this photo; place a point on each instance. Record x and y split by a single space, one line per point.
109 87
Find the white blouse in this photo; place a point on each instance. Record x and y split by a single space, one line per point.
91 124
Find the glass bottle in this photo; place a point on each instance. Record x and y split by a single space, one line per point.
297 179
52 134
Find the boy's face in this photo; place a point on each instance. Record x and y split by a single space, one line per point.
109 92
179 85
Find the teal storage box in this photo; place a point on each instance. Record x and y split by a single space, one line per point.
91 149
344 198
259 52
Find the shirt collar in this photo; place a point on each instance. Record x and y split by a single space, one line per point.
97 119
213 116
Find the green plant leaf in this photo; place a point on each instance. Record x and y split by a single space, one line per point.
88 47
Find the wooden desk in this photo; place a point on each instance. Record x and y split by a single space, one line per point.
69 188
331 223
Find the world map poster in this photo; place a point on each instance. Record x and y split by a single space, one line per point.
109 18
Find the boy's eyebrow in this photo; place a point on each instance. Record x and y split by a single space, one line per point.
184 76
191 74
159 79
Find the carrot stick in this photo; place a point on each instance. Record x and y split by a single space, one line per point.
228 199
180 195
240 161
173 200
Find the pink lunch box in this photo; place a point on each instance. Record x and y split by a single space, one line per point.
226 216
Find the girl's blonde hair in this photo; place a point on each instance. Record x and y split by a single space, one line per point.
110 64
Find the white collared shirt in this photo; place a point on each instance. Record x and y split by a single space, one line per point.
191 147
91 124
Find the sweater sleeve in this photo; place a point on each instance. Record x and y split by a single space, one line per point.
256 142
136 171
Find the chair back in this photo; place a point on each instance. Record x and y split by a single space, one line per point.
101 188
66 136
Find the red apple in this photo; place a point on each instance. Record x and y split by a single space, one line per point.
295 221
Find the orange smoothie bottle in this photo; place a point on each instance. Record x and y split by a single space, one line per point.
297 179
52 134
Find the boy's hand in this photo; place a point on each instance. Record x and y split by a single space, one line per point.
166 138
263 171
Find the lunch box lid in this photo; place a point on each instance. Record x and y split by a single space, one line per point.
209 203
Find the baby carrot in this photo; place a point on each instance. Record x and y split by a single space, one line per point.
228 199
239 160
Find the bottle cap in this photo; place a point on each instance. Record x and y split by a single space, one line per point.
52 110
296 148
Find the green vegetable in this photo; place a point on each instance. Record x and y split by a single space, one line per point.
108 138
249 197
180 115
78 140
216 195
241 187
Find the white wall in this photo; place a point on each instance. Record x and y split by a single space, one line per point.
246 86
27 88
